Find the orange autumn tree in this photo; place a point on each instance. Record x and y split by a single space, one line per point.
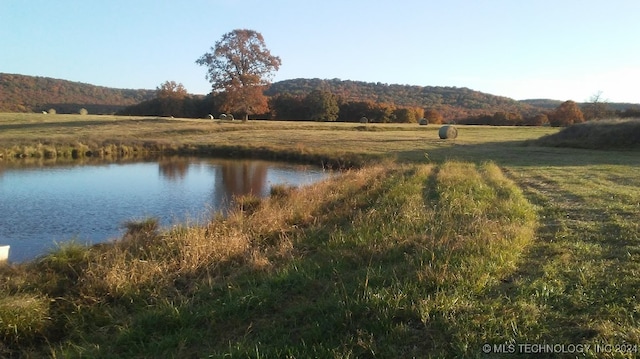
433 116
171 97
566 114
239 68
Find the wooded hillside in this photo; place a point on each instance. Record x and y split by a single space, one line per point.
452 102
20 93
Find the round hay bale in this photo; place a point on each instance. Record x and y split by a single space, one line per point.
223 116
364 120
423 122
210 116
230 117
448 132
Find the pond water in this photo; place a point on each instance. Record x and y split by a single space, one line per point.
42 206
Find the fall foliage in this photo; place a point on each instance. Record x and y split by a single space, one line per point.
21 93
287 100
171 89
568 113
433 116
241 67
170 95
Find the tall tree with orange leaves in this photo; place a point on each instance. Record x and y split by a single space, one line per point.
240 66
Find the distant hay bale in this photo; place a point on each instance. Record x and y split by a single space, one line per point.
52 111
423 122
210 116
364 120
83 111
223 116
230 117
448 132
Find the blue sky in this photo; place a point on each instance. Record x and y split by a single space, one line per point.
558 49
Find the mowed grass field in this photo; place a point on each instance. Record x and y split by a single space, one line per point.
31 134
486 246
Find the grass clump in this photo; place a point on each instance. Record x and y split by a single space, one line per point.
23 319
146 226
604 134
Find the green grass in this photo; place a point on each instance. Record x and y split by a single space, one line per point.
443 247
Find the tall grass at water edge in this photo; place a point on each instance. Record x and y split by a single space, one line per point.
385 261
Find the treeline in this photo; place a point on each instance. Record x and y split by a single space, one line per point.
304 99
565 114
452 102
188 106
401 95
20 93
315 106
349 101
321 105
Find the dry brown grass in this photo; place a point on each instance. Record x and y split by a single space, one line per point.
145 260
41 136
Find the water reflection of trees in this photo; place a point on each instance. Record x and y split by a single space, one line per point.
173 169
243 177
231 178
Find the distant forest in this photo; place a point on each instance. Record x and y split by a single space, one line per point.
451 102
20 93
297 99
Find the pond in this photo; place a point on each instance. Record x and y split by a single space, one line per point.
44 205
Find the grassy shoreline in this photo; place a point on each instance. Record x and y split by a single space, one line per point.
430 249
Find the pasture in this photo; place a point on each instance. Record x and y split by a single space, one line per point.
428 248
